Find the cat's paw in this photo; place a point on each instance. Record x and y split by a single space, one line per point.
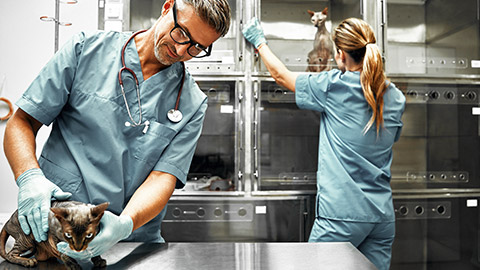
31 262
74 267
25 262
98 262
70 264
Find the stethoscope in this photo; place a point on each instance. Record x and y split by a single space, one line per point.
174 115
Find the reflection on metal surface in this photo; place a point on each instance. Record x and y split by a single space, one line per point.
220 256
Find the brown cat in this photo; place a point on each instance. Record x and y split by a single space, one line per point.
319 59
73 222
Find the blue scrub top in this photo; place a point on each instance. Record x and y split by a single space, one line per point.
353 176
90 152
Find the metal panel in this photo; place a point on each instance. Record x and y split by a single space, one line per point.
220 219
439 144
435 37
440 233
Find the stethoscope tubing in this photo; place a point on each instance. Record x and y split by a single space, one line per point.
124 66
120 81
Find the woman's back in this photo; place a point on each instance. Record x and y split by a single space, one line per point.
360 121
353 167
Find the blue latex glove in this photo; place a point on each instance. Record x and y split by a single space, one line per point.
34 200
113 229
253 32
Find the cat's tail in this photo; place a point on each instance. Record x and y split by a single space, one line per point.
15 254
3 241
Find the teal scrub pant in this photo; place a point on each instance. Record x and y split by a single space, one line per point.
374 240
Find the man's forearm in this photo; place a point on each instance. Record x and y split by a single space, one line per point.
150 198
19 142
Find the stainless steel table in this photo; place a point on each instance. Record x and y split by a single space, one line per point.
237 256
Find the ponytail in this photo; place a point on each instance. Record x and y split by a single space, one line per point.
374 85
356 37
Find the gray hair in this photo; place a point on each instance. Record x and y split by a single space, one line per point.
214 12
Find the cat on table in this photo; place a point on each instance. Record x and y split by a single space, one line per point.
319 59
73 222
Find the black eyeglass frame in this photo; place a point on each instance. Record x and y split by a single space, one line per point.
208 50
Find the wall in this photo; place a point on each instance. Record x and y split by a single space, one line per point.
26 44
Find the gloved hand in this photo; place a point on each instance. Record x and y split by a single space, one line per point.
34 201
253 32
113 229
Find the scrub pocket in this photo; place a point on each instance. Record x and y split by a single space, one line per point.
65 180
152 144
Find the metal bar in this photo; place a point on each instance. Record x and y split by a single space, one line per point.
57 23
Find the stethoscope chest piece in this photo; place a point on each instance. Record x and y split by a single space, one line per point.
174 115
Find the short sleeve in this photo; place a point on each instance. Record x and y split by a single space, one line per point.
178 156
400 102
311 90
49 92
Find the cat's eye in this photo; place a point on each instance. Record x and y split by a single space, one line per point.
68 235
89 235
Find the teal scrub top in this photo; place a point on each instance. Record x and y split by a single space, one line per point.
353 175
90 151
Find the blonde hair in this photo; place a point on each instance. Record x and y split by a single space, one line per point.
357 39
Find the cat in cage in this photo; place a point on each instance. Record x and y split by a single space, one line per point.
320 57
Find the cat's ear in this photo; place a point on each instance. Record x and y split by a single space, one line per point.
60 213
311 12
97 211
325 11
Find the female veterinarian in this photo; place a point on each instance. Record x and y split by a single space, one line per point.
360 120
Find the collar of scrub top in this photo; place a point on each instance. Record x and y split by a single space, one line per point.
174 115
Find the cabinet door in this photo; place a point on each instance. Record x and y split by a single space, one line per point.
216 162
290 32
436 233
438 147
286 143
435 37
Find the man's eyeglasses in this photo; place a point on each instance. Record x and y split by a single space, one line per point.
181 37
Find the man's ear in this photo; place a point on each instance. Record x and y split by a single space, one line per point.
167 6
